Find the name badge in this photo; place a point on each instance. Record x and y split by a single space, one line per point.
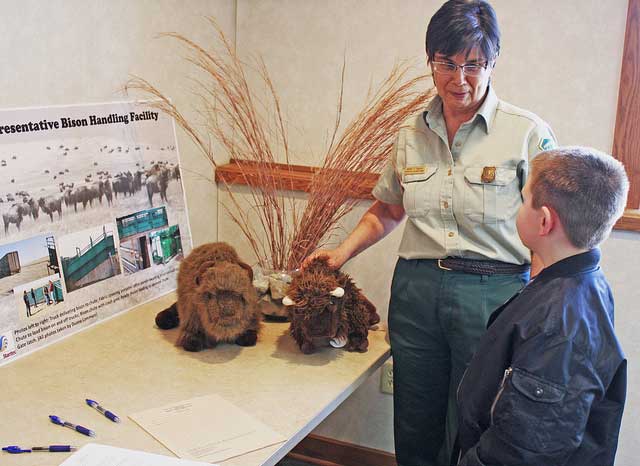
415 170
488 174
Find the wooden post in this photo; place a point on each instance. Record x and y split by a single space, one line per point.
626 140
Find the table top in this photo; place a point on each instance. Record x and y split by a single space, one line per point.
128 365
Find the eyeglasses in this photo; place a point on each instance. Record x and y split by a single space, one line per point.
468 69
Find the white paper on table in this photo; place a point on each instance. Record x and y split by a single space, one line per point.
207 428
93 454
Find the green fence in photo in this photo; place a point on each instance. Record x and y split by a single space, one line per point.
166 244
57 291
39 294
88 259
142 221
40 297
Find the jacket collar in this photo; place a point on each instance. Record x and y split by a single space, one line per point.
584 262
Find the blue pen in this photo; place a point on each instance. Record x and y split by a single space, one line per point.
82 430
51 448
108 414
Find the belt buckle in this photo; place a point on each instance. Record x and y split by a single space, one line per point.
442 267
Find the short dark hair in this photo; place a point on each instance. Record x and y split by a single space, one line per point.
587 189
460 25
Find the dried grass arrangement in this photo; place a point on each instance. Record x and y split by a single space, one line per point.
253 129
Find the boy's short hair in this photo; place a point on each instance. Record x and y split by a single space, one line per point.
587 188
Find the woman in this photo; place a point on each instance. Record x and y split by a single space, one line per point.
456 173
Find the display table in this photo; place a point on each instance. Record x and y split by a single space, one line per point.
128 365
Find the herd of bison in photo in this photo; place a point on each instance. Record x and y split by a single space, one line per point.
96 188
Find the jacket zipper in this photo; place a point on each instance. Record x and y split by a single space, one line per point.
507 373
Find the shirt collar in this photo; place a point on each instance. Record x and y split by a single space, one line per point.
488 109
584 262
433 114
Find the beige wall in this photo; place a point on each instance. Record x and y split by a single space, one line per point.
560 59
62 52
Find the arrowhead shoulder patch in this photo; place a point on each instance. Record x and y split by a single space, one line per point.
546 144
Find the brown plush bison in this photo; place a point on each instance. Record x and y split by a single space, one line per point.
328 308
216 300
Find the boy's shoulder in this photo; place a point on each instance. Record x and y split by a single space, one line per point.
578 307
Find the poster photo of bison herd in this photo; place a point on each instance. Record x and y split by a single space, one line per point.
80 198
67 186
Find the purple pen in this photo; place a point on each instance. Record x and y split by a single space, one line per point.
77 428
107 414
51 448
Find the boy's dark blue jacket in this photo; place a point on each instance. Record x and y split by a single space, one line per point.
547 384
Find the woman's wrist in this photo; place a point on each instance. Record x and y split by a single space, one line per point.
342 255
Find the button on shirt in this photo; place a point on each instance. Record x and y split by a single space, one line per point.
462 201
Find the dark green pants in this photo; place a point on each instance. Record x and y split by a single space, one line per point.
436 318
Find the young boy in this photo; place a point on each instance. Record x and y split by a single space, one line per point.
547 384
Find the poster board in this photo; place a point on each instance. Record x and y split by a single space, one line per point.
94 218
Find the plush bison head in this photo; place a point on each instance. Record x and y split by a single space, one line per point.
316 306
327 307
315 300
216 300
224 299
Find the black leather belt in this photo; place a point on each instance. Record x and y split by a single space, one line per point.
481 267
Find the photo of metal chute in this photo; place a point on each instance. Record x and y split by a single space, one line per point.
89 256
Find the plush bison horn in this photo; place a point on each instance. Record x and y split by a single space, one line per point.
338 292
287 301
339 342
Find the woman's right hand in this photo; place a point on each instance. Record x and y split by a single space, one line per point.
336 258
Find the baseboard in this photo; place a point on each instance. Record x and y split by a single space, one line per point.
324 451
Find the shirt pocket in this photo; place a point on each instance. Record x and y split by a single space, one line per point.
493 198
419 190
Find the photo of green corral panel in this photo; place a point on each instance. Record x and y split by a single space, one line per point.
165 244
97 261
57 291
38 293
141 222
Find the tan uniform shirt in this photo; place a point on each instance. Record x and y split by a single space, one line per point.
462 201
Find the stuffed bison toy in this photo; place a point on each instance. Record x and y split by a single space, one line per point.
327 308
216 300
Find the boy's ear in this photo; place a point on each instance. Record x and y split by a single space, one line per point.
548 220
